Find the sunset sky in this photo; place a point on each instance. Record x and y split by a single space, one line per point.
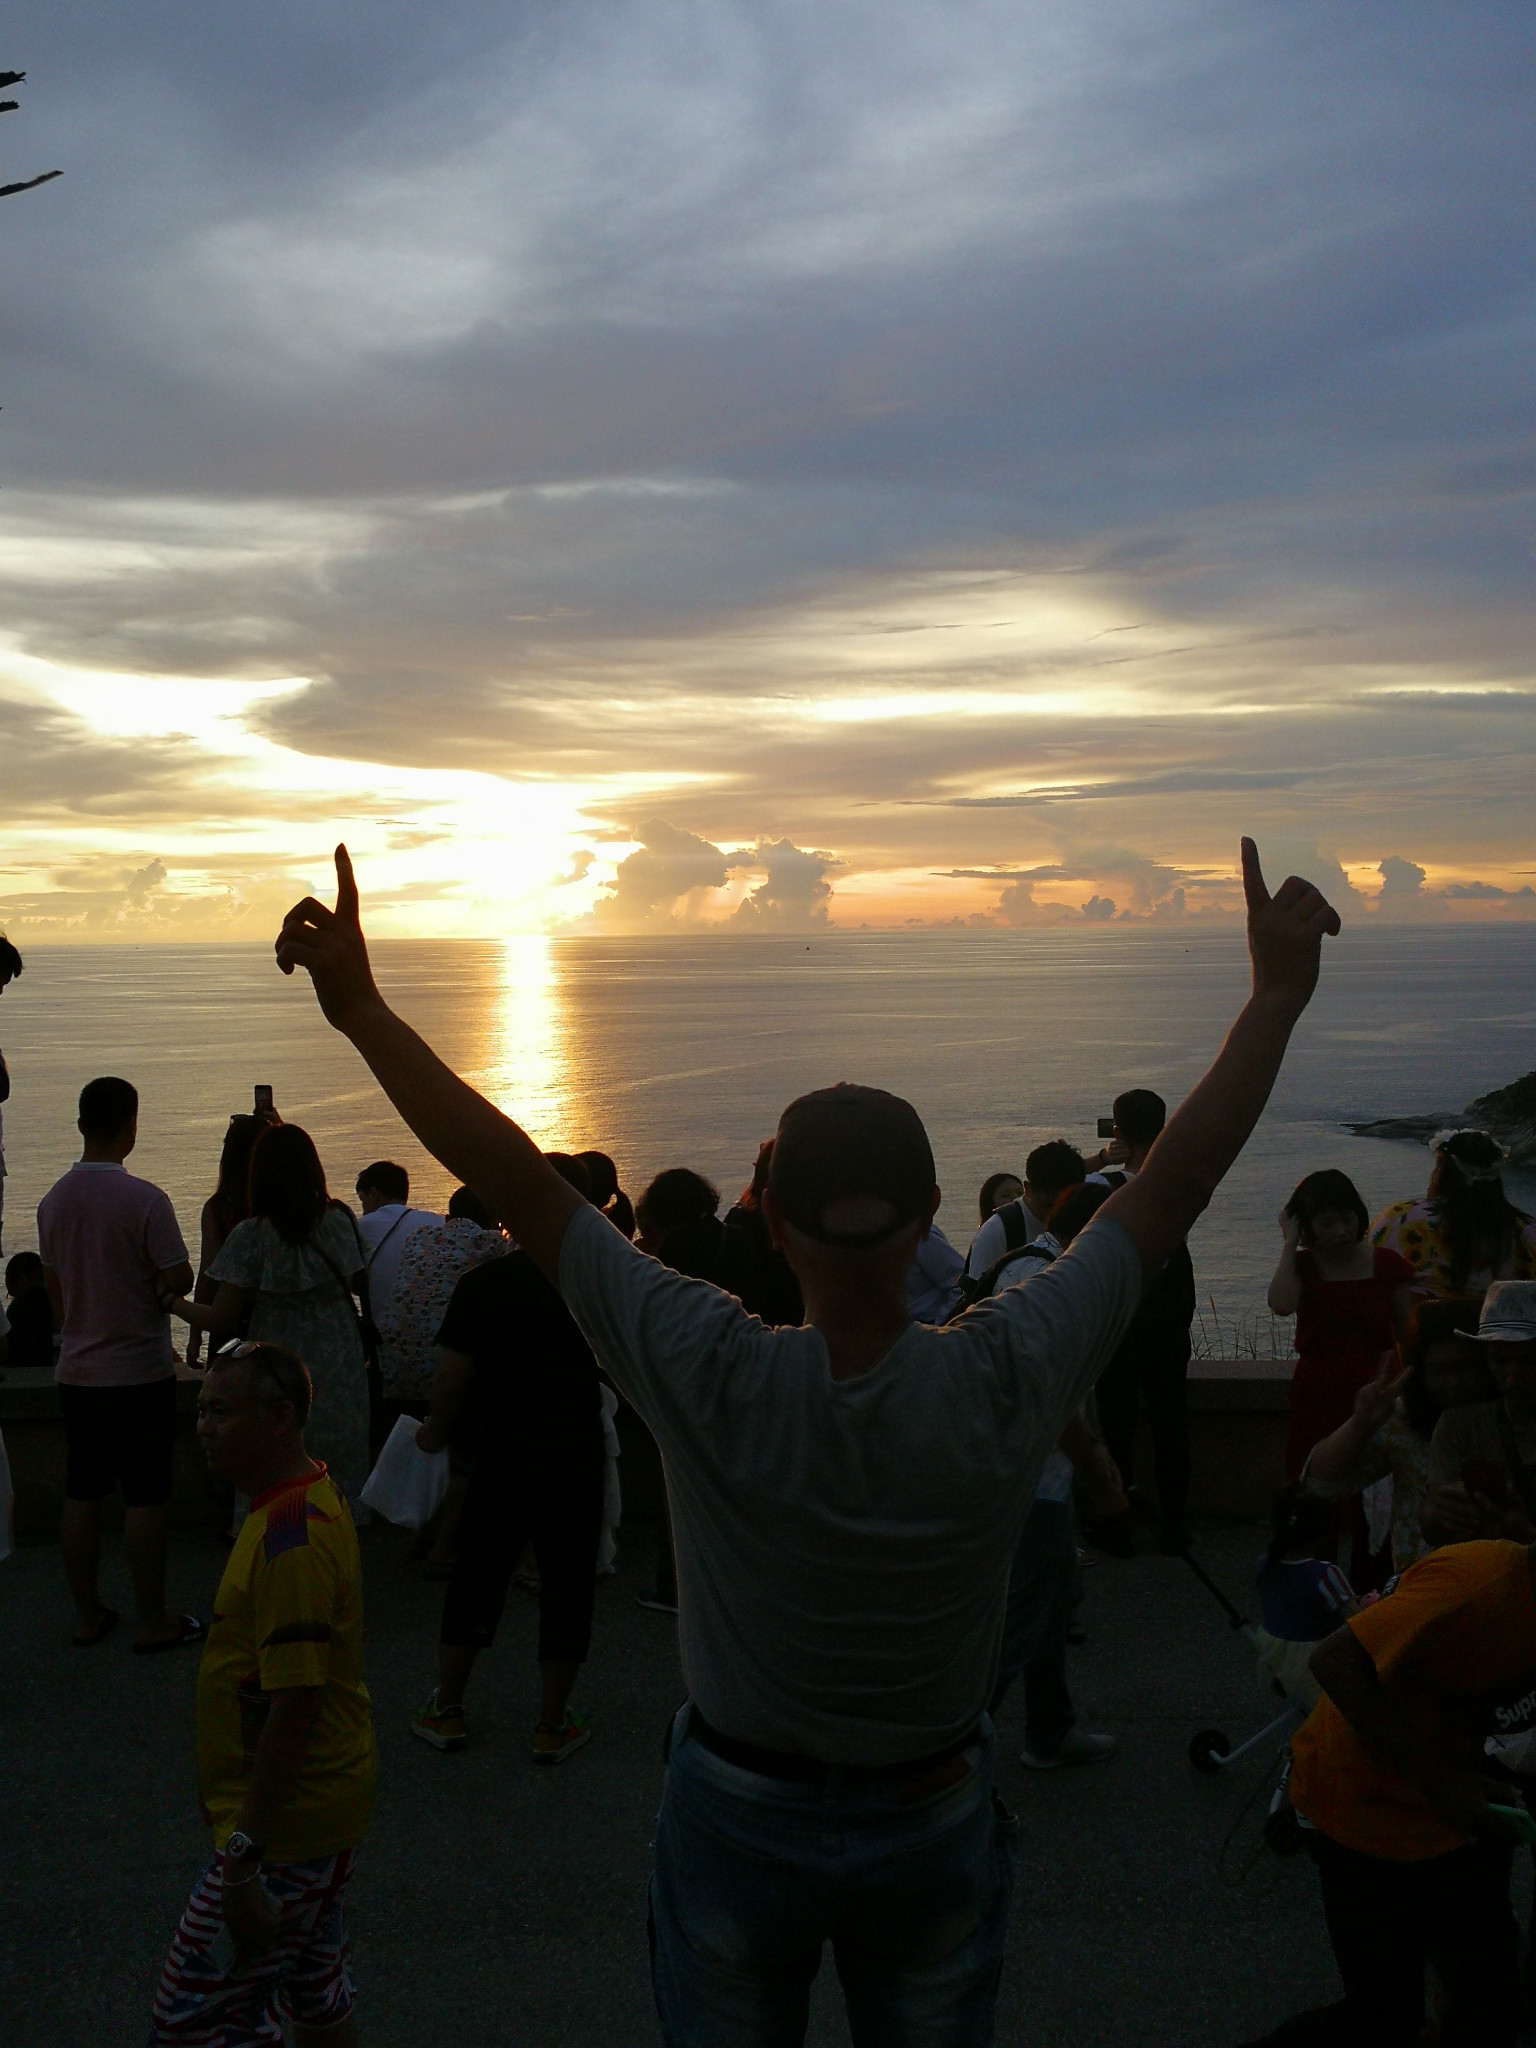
629 465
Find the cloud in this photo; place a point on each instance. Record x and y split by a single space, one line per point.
1017 907
1486 892
795 894
1099 909
1401 878
1177 782
649 886
970 437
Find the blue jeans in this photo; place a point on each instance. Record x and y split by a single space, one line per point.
754 1875
1043 1588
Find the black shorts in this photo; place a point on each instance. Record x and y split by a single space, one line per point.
120 1437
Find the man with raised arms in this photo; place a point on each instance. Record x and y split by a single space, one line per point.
846 1498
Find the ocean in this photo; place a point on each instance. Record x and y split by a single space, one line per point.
674 1051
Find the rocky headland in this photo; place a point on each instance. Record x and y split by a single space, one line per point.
1508 1114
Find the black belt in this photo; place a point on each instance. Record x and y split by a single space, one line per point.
810 1770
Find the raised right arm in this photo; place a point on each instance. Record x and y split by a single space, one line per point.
486 1150
1212 1125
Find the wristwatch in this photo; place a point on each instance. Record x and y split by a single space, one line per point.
241 1849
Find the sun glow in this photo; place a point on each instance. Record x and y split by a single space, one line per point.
527 1070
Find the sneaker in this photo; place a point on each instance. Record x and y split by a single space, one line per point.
553 1745
1078 1748
656 1602
443 1727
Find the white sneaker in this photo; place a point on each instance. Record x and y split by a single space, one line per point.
1078 1747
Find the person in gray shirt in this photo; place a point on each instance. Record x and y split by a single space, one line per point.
846 1499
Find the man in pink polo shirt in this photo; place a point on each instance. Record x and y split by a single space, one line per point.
111 1247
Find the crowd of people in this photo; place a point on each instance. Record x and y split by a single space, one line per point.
875 1449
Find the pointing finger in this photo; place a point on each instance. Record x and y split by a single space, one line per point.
1256 894
346 887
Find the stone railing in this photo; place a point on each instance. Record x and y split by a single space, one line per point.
1236 1413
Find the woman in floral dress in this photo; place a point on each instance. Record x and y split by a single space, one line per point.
1463 1233
288 1275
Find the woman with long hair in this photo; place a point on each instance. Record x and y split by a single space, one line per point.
289 1272
1463 1233
229 1204
1388 1435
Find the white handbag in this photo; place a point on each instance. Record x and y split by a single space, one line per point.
406 1485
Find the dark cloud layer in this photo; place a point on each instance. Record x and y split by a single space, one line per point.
1131 406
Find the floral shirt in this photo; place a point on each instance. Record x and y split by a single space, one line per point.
433 1261
1401 1454
1410 1228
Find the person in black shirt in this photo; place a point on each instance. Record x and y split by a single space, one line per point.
1152 1362
518 1384
29 1311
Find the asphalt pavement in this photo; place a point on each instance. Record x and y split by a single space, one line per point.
500 1902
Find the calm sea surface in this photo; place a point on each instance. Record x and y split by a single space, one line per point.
672 1052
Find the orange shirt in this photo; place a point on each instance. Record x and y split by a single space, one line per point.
1461 1625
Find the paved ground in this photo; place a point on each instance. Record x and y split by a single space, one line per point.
501 1903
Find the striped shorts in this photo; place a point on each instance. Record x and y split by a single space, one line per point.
208 1999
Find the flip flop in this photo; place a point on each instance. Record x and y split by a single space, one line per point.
99 1634
192 1631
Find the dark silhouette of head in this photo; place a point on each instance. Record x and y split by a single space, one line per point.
465 1203
288 1182
1139 1117
383 1182
996 1189
1049 1170
108 1108
1320 1192
602 1177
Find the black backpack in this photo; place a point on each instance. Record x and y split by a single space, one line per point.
1019 1246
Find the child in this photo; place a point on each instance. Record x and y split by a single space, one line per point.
29 1311
1302 1596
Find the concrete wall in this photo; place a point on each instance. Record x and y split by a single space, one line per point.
1237 1435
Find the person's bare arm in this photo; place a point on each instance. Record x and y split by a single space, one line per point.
450 1385
1285 1287
205 1288
1335 1464
1387 1718
483 1148
279 1752
1212 1125
1093 1465
220 1317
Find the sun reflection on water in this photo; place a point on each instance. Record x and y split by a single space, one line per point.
526 1071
